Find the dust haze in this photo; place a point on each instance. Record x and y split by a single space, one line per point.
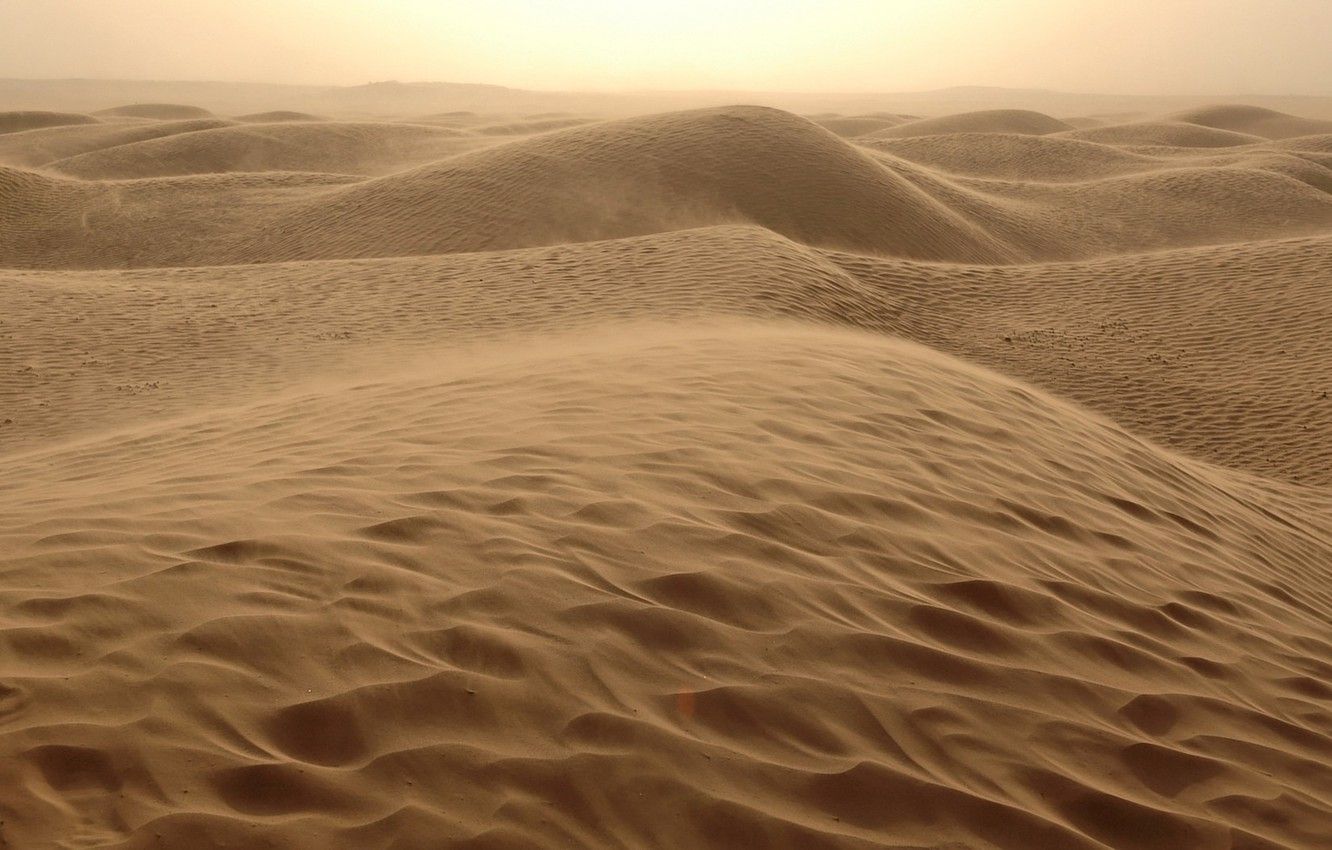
1208 47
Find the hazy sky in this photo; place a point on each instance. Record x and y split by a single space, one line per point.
1118 46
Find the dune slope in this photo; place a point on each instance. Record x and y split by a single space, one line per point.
744 523
1245 381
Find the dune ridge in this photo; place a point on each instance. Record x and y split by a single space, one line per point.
636 176
645 175
719 478
1119 335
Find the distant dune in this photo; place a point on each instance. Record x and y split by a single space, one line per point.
44 146
1065 159
986 121
849 127
528 127
1015 156
356 148
451 116
1255 121
17 122
1165 134
532 476
637 176
158 111
278 116
1320 144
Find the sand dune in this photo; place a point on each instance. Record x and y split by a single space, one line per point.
158 111
302 318
1255 121
1134 348
456 115
62 222
853 126
783 642
719 478
531 125
1165 134
1013 156
632 177
1241 382
340 147
37 148
1320 143
1263 195
1063 158
278 116
984 121
17 122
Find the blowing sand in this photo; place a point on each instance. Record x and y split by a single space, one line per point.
717 478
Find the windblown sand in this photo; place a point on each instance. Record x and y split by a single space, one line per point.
720 478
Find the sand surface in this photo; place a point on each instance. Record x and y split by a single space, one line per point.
718 478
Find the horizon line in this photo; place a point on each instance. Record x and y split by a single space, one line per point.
670 91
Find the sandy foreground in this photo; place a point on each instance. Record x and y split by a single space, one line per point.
709 478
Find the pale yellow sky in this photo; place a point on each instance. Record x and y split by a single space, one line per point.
1120 46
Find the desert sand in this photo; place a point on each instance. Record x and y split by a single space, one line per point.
380 476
